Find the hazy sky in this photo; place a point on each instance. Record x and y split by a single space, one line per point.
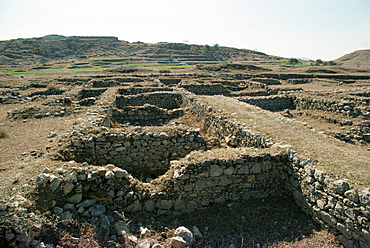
325 29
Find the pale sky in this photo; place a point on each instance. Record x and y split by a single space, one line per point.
317 29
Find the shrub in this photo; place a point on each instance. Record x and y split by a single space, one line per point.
53 86
3 135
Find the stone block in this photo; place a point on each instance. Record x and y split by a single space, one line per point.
164 204
365 197
340 186
329 219
215 170
256 168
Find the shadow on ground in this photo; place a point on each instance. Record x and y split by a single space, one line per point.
250 223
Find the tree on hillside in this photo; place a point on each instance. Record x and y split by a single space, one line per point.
318 62
170 58
216 47
293 61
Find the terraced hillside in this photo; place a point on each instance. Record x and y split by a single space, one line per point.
43 50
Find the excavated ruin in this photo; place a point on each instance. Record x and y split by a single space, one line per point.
132 154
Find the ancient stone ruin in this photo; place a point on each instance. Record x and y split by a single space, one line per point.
131 154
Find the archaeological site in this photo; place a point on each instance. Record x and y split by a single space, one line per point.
195 151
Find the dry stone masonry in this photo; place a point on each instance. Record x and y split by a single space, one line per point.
142 154
283 101
116 162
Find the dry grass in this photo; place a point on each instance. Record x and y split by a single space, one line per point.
23 137
319 239
335 157
2 135
53 86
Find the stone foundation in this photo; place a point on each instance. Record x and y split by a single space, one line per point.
166 100
141 154
172 172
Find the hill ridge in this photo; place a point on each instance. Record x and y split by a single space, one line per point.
59 47
358 58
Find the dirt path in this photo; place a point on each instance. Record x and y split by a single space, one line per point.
334 157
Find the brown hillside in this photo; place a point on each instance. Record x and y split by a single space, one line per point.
46 49
359 59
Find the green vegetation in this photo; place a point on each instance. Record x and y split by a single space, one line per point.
205 62
38 71
166 66
115 58
320 62
293 62
23 69
88 69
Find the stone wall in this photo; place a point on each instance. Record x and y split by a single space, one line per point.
83 193
237 85
142 154
232 133
110 82
268 81
86 93
202 179
170 81
333 203
166 100
206 89
299 80
141 90
272 103
346 108
186 181
148 114
282 102
199 184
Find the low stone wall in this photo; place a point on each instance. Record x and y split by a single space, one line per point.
332 203
232 133
170 81
282 102
90 193
299 80
268 81
141 90
166 100
199 184
186 181
206 89
110 82
196 182
86 93
236 85
147 114
344 107
143 155
48 92
272 103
